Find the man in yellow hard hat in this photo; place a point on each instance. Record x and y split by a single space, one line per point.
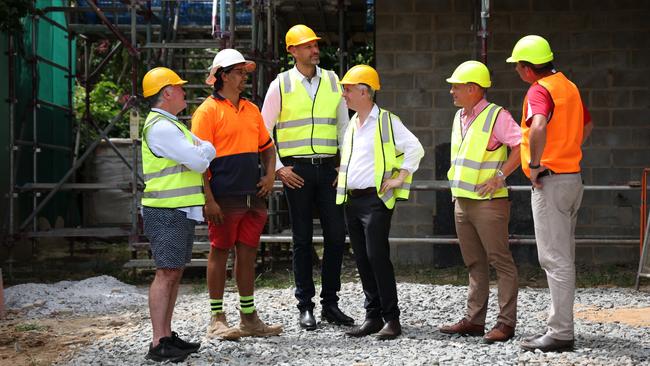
235 206
481 134
304 110
173 160
378 159
554 125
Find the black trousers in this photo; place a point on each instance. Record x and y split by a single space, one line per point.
318 192
368 222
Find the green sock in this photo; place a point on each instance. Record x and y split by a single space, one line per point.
216 306
246 304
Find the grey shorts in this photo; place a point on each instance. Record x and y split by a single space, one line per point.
171 235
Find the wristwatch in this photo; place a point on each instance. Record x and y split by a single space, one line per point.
531 166
500 174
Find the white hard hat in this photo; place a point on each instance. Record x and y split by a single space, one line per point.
228 57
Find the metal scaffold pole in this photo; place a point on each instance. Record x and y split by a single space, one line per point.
35 106
12 137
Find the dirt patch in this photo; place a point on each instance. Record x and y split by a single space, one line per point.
44 341
636 317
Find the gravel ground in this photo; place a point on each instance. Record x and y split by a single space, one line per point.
424 308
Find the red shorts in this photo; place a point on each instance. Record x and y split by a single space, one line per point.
240 225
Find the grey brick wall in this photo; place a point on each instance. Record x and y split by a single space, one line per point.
603 46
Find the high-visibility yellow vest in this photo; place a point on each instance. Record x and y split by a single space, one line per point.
388 162
306 126
168 184
471 163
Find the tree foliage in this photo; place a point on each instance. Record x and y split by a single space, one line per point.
104 106
11 13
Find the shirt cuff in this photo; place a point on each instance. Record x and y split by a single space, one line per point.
278 163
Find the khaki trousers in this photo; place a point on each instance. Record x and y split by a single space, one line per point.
555 210
482 229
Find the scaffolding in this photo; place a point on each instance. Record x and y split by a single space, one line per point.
159 37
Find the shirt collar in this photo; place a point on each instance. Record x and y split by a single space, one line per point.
372 116
220 98
303 77
476 109
165 113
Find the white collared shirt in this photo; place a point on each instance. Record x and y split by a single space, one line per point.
361 168
273 104
168 141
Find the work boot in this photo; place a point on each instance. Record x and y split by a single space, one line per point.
219 328
251 326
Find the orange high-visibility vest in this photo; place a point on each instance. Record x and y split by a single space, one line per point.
562 152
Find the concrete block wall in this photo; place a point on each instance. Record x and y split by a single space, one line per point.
603 46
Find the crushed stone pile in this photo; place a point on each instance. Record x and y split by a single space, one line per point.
96 295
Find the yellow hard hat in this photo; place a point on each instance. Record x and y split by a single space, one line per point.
362 74
533 49
158 78
471 72
299 34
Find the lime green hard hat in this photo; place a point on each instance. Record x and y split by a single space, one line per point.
533 49
471 72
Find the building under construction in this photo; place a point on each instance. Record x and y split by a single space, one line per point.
56 63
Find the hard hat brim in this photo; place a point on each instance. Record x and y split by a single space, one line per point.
347 82
306 40
249 65
541 61
456 81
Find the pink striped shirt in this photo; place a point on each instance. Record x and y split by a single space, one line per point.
505 131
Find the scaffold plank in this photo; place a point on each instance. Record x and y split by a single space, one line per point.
98 232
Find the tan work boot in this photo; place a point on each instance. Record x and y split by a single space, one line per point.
252 326
219 328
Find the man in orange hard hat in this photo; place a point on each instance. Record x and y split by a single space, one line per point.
304 109
378 158
173 160
554 125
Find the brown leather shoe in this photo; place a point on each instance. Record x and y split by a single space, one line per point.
464 327
500 333
547 343
391 330
369 326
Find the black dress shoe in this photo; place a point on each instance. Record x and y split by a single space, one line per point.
547 343
391 330
334 315
532 337
307 320
369 326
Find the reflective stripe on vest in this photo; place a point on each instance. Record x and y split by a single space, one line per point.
387 162
562 151
168 184
471 163
306 126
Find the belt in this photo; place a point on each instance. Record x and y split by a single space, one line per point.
312 161
362 192
549 172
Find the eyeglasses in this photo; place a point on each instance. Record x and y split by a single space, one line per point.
240 71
